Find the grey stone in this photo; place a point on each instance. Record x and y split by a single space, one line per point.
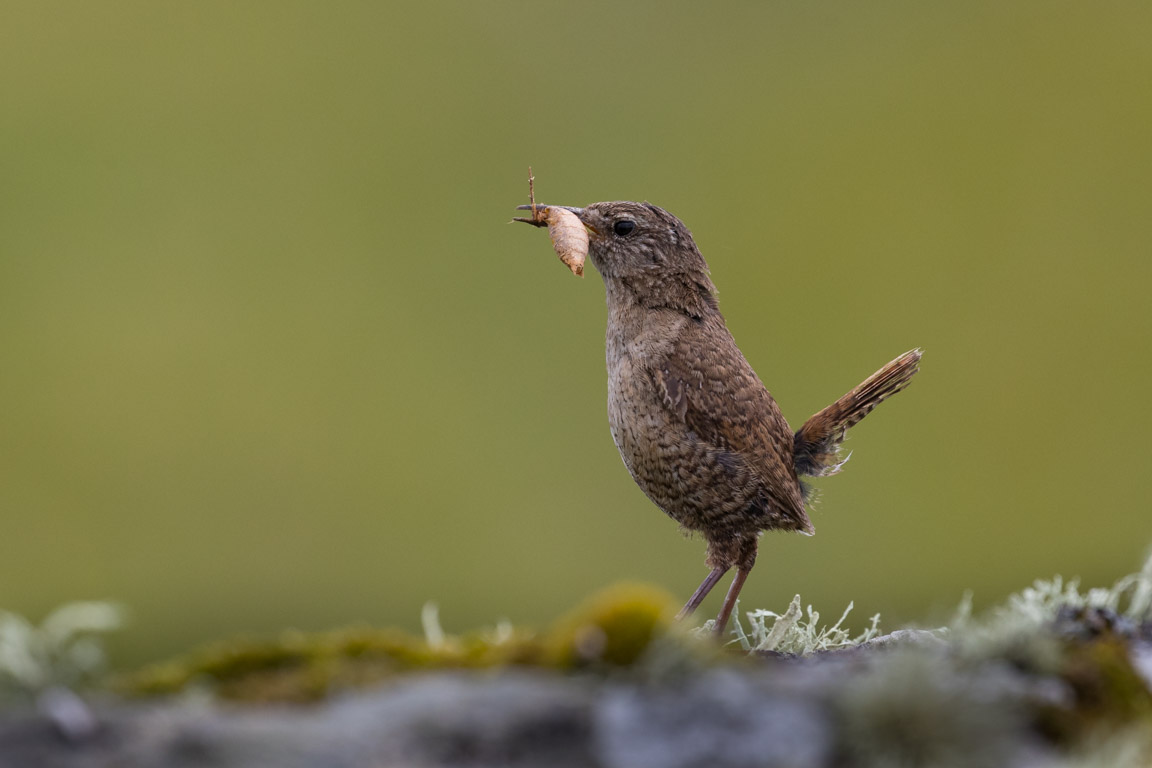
721 719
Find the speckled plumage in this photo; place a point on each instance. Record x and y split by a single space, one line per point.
697 429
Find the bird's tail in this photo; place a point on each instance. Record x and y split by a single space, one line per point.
817 443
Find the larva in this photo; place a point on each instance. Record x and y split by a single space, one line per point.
569 237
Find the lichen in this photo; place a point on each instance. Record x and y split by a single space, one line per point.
65 649
795 631
1039 605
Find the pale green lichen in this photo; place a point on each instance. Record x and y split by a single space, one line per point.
1020 626
66 649
798 631
1040 603
795 631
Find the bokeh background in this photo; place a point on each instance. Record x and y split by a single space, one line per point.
271 356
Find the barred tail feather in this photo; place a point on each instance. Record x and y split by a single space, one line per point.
817 443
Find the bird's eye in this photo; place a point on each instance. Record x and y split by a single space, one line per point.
624 227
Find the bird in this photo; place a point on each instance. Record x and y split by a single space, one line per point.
696 428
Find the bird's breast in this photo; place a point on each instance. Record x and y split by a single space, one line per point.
641 426
632 415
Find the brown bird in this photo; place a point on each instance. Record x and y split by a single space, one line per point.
698 431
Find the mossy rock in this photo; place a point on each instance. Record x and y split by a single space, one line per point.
613 628
303 667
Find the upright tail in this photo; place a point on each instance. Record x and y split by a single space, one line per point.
817 443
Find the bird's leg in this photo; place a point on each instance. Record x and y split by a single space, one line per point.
730 600
701 592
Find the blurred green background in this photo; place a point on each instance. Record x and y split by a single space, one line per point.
270 355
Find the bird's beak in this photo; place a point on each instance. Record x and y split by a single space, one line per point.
578 211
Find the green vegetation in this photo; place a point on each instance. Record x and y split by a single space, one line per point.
797 632
1051 626
65 650
1070 667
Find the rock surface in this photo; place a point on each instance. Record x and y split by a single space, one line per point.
917 705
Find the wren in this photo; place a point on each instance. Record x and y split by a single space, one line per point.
698 431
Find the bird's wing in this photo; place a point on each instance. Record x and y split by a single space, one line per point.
706 382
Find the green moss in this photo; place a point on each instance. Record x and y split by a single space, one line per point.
613 627
1050 631
301 667
1107 687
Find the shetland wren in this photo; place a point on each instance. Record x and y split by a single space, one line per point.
697 429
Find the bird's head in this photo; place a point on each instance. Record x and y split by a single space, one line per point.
649 252
631 239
